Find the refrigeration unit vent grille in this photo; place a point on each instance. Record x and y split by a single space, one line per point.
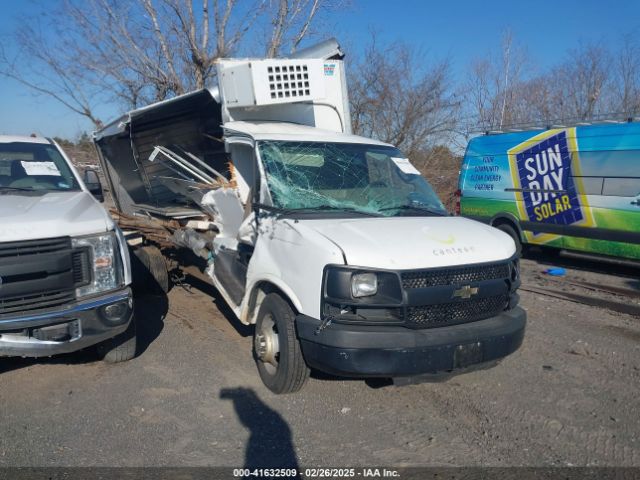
288 81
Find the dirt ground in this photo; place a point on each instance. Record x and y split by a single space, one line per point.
192 397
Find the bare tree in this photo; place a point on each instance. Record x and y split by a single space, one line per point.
503 92
626 77
495 84
396 102
140 51
579 83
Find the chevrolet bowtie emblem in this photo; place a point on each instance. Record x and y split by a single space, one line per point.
465 292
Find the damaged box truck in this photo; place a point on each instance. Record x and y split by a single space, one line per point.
332 244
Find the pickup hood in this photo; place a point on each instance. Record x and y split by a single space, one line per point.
54 214
414 242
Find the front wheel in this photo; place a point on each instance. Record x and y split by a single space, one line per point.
276 348
121 347
149 270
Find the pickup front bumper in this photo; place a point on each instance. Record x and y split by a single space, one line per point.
388 351
68 328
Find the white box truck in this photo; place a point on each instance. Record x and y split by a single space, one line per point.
332 244
64 265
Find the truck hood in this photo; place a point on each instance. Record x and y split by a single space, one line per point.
54 214
414 242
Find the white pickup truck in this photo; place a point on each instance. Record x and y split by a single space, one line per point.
64 265
332 244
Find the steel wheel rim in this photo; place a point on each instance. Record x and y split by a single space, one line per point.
267 345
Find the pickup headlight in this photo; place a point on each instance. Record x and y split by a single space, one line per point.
104 263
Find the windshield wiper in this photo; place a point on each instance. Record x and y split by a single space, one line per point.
19 189
417 208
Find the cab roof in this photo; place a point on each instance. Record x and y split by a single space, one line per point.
286 131
23 139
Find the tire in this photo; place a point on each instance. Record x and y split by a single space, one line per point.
149 269
120 348
509 230
276 348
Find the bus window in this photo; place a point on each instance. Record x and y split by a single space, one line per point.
621 187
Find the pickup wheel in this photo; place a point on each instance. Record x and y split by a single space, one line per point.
276 348
121 347
149 270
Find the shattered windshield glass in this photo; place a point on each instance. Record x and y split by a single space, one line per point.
333 176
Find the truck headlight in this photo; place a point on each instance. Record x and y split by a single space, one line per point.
364 285
104 263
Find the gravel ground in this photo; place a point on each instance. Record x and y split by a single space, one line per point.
192 397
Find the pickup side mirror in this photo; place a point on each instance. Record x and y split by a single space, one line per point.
92 182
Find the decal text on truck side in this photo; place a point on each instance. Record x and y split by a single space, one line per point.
543 170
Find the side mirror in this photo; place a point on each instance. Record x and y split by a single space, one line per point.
92 182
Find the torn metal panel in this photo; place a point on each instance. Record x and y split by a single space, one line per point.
327 50
226 208
189 122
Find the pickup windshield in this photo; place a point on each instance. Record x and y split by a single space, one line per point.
330 177
33 167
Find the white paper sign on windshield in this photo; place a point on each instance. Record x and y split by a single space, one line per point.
41 168
405 165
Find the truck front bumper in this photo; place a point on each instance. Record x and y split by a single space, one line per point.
68 329
385 351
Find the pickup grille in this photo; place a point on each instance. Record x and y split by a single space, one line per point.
38 275
31 303
454 276
443 314
34 247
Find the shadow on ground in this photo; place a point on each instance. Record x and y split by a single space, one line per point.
270 443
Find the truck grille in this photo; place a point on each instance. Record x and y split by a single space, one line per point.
28 304
443 314
40 274
34 247
454 276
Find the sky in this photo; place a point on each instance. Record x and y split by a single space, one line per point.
459 31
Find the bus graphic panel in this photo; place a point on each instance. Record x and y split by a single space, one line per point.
545 188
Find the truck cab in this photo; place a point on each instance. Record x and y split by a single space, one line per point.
64 271
346 261
331 244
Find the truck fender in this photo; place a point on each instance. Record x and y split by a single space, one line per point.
259 289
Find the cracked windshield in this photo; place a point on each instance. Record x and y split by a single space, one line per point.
363 178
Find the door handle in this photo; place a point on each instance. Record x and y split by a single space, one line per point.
636 202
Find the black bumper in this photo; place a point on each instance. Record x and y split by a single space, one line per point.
372 351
